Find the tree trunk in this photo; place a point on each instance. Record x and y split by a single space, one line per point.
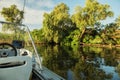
81 36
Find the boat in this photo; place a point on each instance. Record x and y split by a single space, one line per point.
19 58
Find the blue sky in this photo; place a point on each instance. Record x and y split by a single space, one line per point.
35 9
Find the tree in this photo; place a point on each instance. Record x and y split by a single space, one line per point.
117 32
12 14
57 23
88 16
37 35
118 21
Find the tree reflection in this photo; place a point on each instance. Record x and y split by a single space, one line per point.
118 69
90 70
79 63
58 59
110 57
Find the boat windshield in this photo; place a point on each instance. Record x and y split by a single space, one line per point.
16 33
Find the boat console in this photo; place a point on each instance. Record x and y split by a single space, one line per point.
7 49
18 44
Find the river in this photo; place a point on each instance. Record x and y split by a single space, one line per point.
82 63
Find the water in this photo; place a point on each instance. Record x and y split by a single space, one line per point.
82 63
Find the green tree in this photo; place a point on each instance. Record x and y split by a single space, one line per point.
88 16
12 14
37 35
110 34
57 23
117 32
118 21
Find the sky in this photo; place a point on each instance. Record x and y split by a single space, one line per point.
34 9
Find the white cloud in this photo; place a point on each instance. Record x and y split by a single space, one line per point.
6 3
33 10
33 16
40 3
46 3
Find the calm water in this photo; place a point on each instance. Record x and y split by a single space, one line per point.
82 63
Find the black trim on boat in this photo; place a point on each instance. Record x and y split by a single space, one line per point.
35 72
11 64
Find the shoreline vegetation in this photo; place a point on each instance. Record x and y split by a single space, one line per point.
100 45
81 44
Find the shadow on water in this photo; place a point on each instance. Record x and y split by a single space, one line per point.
82 63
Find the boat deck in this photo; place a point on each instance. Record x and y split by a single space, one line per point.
35 77
45 74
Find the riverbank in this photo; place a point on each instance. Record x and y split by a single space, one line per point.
81 44
100 45
5 41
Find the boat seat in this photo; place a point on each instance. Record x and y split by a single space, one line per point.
25 53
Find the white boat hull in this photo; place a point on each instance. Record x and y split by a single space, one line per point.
21 72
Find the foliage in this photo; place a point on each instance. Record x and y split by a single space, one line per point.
88 16
83 26
72 38
5 37
12 14
57 24
110 34
37 35
118 21
87 38
97 40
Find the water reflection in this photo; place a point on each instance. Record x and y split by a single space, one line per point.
82 63
70 75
